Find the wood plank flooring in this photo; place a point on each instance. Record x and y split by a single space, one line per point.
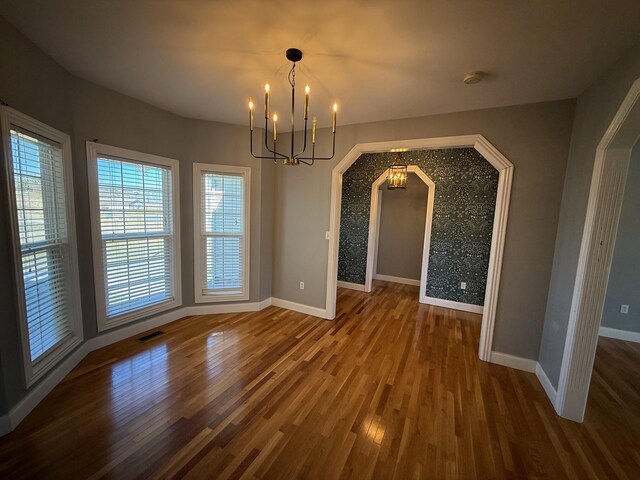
390 389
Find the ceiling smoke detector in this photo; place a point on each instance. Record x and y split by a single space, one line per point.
473 77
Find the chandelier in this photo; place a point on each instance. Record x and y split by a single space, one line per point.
397 177
294 56
397 174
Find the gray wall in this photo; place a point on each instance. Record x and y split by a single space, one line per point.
40 88
115 119
624 278
402 221
594 111
33 84
535 138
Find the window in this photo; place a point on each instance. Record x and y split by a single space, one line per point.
40 199
134 218
221 236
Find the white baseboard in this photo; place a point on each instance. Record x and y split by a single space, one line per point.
129 331
48 382
213 309
619 334
465 307
546 384
520 363
5 424
351 286
527 365
267 302
390 278
299 307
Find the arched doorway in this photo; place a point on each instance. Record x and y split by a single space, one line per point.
493 156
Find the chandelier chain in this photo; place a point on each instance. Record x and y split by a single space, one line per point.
292 75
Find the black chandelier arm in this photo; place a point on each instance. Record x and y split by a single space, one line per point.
261 157
266 120
251 149
313 157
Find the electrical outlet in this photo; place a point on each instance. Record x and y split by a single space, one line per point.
463 285
327 235
301 285
624 308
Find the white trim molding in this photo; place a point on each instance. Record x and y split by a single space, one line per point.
512 361
351 286
33 371
299 307
227 308
618 334
128 331
392 279
596 251
464 307
95 150
5 424
48 383
546 384
201 294
374 233
505 179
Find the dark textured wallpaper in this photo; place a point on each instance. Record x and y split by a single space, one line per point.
465 198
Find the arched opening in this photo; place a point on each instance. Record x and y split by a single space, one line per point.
374 228
505 176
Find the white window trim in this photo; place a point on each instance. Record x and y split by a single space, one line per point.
94 150
33 371
198 170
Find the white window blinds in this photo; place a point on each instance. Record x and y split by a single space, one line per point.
38 177
222 243
137 236
39 189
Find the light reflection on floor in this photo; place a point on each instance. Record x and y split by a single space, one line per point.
220 352
138 380
374 428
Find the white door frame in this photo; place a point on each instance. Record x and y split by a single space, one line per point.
505 179
374 229
596 251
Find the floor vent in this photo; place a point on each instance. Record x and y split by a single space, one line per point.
150 336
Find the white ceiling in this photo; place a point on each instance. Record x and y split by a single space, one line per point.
378 59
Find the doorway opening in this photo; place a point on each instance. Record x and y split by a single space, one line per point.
596 253
500 215
387 258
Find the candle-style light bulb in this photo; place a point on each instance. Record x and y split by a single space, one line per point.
306 102
313 130
335 110
251 114
275 121
266 101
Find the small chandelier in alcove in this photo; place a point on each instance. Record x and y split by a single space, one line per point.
397 176
292 158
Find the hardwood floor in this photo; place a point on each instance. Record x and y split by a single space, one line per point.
390 389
